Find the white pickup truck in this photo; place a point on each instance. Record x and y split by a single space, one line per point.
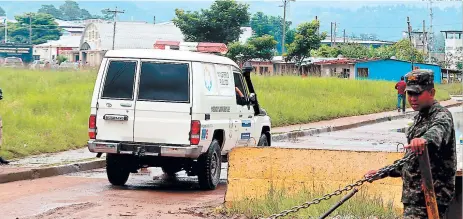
179 110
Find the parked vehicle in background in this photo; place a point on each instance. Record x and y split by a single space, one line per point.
69 66
37 64
12 62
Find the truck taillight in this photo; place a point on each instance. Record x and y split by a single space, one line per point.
92 127
195 132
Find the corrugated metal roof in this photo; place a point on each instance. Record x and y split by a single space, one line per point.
64 41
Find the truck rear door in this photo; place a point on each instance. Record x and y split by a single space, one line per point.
116 102
163 103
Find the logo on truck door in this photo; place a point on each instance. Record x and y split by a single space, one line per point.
207 78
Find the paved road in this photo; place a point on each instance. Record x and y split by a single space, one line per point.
377 137
89 195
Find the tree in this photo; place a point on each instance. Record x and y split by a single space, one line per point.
106 15
264 46
306 40
256 47
263 24
51 10
326 51
43 28
240 52
2 12
404 50
61 59
221 23
354 50
70 10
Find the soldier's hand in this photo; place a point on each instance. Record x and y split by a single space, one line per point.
417 145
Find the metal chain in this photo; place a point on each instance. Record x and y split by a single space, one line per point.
381 172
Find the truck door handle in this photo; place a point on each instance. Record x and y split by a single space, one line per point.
241 116
126 104
249 117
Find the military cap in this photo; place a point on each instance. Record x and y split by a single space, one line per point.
419 80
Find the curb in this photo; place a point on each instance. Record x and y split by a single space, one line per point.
51 171
313 131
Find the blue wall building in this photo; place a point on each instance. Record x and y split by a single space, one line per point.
391 69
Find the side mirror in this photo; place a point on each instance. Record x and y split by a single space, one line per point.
252 98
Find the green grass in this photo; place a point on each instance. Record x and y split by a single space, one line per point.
452 89
47 111
293 100
359 206
44 111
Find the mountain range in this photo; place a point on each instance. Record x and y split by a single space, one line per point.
385 19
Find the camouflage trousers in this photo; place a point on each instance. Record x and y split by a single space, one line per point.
419 212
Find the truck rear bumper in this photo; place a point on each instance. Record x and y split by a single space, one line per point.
144 150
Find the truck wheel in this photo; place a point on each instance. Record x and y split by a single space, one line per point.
209 167
263 141
116 169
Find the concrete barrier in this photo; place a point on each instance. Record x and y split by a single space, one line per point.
253 172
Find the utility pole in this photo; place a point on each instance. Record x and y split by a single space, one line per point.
331 35
285 3
424 40
431 35
344 35
115 18
334 33
6 28
410 38
318 29
30 28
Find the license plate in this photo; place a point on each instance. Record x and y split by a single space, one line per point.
116 117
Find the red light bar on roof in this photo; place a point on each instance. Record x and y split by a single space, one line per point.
192 46
212 47
161 44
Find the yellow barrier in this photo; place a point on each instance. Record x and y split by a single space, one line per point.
253 172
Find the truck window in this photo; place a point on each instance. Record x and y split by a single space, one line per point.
240 86
119 80
167 82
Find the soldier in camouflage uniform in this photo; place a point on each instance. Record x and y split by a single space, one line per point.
432 128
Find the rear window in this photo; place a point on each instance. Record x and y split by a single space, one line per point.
167 82
119 80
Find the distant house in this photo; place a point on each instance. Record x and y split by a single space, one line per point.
311 66
67 46
98 37
391 69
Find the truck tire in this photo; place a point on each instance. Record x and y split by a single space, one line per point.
263 141
116 169
209 167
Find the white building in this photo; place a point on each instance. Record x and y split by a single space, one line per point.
419 40
67 46
453 46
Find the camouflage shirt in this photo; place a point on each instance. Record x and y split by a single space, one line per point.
434 124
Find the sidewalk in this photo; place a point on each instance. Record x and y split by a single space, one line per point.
282 133
53 164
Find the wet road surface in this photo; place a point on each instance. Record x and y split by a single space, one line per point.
377 137
89 195
148 195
